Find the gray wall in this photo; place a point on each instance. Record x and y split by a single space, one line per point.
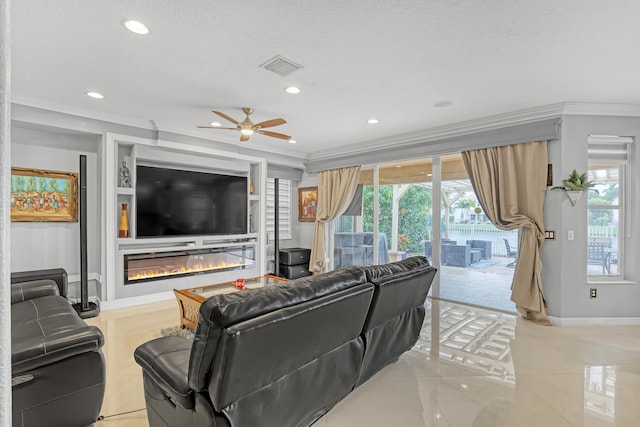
38 245
304 230
564 276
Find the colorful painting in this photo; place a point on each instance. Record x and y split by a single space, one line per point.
307 203
43 196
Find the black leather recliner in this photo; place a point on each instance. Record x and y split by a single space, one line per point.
396 313
57 366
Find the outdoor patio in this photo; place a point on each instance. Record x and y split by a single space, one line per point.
485 283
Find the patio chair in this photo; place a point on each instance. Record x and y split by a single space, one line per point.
511 253
599 253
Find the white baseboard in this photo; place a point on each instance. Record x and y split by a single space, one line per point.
595 321
74 278
133 301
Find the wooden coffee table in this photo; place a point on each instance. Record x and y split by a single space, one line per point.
189 300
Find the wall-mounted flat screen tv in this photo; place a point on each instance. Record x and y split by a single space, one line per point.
172 202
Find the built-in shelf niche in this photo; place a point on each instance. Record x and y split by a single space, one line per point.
134 151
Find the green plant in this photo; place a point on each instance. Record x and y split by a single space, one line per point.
576 182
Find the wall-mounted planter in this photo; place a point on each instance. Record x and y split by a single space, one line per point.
575 185
574 196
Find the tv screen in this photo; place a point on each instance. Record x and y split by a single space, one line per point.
171 202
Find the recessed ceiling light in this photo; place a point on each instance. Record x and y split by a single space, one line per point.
292 90
443 104
95 95
135 26
215 124
372 121
292 141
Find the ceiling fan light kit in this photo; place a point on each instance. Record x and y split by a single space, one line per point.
248 128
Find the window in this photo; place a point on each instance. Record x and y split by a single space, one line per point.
284 195
608 156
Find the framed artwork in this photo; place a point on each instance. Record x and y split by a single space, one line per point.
43 196
307 204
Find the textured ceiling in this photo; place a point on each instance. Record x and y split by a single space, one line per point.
389 59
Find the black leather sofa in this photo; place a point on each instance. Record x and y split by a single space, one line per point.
57 365
284 355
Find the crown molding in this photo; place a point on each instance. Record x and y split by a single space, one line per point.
240 146
423 136
481 124
151 125
446 131
592 109
38 103
288 156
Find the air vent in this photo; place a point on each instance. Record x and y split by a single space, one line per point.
281 66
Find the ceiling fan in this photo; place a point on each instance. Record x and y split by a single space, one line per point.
248 128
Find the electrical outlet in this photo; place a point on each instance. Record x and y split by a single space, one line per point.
570 235
550 234
593 292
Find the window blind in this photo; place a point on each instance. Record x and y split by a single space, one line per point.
614 149
284 201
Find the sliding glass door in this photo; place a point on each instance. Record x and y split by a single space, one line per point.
404 196
393 218
477 259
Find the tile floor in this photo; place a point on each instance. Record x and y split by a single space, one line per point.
471 367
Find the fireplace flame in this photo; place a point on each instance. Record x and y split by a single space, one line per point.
197 268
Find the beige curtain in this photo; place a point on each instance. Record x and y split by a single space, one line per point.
510 183
335 190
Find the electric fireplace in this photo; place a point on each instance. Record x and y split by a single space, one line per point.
150 266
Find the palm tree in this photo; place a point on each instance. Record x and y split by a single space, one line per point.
465 205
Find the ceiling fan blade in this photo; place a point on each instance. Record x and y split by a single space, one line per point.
244 138
274 134
223 115
271 123
216 127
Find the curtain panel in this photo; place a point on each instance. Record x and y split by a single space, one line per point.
336 189
510 183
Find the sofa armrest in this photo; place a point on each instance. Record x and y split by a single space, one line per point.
35 289
166 361
39 351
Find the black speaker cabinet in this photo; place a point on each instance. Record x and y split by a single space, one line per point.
294 256
294 271
84 308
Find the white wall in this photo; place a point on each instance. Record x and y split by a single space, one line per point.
40 245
